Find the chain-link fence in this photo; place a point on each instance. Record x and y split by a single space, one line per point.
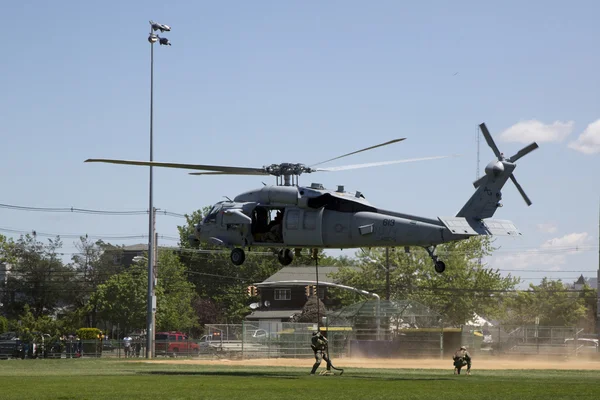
530 340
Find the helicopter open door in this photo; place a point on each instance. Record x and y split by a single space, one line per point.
303 227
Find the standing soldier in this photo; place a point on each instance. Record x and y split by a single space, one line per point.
319 346
462 358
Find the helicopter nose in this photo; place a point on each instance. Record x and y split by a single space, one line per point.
194 238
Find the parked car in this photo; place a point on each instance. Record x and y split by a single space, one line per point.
9 345
174 343
583 345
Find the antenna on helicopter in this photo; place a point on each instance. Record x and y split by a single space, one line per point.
227 198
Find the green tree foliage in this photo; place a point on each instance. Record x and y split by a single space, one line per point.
312 311
3 324
88 333
465 288
122 299
589 297
175 295
95 262
29 327
37 275
550 301
6 253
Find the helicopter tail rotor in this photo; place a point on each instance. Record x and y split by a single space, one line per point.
486 199
494 168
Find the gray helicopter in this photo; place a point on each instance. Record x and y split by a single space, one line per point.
287 216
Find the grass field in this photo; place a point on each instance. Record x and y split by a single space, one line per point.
139 379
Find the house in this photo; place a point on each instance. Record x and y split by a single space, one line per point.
280 302
579 283
128 253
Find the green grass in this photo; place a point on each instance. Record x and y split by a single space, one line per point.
108 379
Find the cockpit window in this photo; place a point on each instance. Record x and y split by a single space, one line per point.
211 217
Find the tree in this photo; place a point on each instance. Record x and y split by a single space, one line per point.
312 310
174 304
465 288
589 297
550 301
92 266
122 299
38 277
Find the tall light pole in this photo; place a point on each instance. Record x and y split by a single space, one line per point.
152 38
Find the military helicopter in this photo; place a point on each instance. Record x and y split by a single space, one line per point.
314 217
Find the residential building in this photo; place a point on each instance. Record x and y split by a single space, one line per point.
282 301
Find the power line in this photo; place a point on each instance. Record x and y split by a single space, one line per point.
88 211
77 236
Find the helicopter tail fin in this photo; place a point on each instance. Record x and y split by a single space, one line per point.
486 199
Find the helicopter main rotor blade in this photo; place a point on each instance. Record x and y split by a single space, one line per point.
377 164
489 140
228 173
520 189
361 150
524 151
231 170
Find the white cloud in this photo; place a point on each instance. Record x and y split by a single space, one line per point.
552 253
536 131
527 259
570 241
589 141
547 228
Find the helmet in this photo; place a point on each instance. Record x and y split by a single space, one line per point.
463 347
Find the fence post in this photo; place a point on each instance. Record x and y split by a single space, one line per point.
243 336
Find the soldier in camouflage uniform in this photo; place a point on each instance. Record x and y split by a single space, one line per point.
319 346
462 358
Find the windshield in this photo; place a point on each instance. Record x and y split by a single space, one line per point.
211 217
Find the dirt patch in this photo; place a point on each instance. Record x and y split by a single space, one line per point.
495 363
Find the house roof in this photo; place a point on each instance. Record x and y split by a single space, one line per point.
592 282
303 273
136 247
275 314
144 247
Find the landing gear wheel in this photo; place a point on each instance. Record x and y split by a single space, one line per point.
285 256
238 256
440 267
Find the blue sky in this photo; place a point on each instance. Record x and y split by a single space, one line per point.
253 83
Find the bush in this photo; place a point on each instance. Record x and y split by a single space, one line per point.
88 333
93 346
3 324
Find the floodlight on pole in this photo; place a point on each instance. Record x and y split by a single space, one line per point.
151 299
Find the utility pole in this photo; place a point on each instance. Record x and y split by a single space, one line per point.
387 273
154 282
598 278
151 299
